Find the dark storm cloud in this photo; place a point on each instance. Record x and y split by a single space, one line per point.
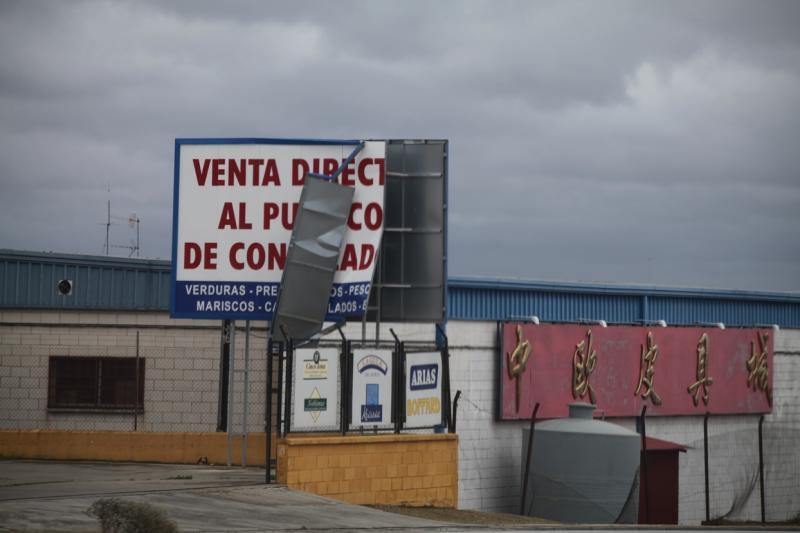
615 141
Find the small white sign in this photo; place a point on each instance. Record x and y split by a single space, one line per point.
316 389
423 389
372 388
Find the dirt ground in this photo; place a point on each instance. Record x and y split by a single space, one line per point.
458 516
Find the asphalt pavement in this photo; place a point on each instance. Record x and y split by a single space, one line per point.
54 496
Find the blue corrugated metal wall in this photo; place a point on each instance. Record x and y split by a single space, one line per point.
483 299
28 280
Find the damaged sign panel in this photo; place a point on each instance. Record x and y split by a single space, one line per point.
234 208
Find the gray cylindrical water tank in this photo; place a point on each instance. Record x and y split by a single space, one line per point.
582 470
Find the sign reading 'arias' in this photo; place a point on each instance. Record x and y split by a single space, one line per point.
674 370
423 389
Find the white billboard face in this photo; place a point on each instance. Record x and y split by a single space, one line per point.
372 388
423 389
234 209
316 389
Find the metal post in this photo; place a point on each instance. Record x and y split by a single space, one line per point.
231 359
268 416
455 409
348 390
287 406
224 358
401 386
527 460
396 382
644 468
245 391
446 379
343 393
705 460
136 394
761 467
279 396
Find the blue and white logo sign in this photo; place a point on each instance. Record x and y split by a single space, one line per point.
372 362
372 387
424 376
372 411
423 389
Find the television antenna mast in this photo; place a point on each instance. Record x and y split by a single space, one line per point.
133 221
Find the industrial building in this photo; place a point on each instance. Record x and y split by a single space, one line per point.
102 354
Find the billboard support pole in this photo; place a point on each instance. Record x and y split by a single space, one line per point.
268 415
245 390
231 357
287 423
347 385
279 396
224 355
344 382
287 403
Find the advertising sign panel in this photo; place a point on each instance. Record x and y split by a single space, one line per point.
234 207
673 370
372 388
316 389
423 389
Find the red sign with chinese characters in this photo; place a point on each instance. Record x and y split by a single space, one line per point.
673 370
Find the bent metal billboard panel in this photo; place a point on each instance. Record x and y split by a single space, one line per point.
234 207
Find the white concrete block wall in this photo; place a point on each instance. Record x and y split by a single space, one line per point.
490 451
181 395
181 369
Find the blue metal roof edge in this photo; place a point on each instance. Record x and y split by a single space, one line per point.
454 282
83 259
459 282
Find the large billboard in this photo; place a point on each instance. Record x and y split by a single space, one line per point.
234 206
620 369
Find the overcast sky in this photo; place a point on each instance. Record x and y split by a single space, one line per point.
622 142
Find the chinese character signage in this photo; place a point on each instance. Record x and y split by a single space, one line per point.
674 370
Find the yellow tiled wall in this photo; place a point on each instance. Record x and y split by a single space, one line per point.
128 446
416 470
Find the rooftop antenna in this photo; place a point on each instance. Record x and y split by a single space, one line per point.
108 218
108 221
133 220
